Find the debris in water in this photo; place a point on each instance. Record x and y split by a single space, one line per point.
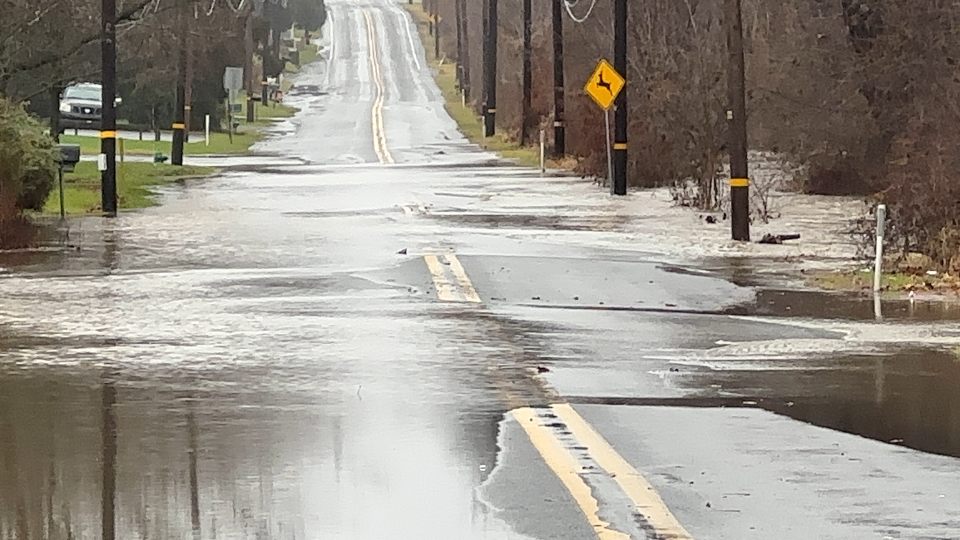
777 239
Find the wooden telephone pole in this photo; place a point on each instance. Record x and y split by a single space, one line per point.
490 33
559 130
620 15
108 118
527 71
737 118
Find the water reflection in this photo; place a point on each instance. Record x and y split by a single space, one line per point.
359 438
108 460
908 397
849 306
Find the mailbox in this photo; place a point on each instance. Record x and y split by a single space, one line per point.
69 156
293 56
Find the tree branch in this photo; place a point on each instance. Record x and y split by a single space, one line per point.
125 16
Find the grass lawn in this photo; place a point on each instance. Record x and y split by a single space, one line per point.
219 144
891 281
471 124
265 115
134 183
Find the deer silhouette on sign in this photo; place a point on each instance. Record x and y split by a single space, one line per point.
604 84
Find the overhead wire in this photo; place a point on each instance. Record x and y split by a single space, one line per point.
236 9
570 4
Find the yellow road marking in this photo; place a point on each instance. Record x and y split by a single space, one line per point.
376 120
563 464
459 289
446 292
466 287
557 455
645 498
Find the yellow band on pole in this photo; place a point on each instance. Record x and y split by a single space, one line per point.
108 134
620 146
179 126
739 182
491 111
187 108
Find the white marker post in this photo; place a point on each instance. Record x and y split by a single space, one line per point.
878 263
543 152
207 129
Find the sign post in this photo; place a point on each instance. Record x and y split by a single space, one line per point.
232 83
603 87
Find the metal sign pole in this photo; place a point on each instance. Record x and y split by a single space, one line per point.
606 116
230 115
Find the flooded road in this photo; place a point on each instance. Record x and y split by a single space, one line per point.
318 343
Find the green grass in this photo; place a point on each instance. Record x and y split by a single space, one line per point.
265 115
470 123
308 54
859 280
134 186
219 144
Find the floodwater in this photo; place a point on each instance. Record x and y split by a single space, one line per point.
263 356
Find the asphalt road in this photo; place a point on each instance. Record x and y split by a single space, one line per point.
375 330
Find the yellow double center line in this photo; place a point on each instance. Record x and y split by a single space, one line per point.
542 425
568 444
379 133
450 279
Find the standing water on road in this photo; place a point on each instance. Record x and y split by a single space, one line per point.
371 328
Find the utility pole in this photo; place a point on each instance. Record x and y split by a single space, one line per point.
458 16
527 71
465 52
620 15
179 123
559 130
249 81
56 90
490 68
108 118
428 7
188 95
436 29
737 118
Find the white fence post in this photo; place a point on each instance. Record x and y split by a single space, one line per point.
878 263
543 152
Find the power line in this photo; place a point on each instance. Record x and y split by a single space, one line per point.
572 4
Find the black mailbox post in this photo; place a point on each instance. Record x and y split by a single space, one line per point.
69 157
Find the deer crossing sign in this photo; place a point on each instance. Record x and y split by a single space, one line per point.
605 85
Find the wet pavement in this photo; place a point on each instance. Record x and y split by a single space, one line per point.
316 345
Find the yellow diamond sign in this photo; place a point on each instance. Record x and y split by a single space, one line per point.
605 85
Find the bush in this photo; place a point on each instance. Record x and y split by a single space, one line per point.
28 161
